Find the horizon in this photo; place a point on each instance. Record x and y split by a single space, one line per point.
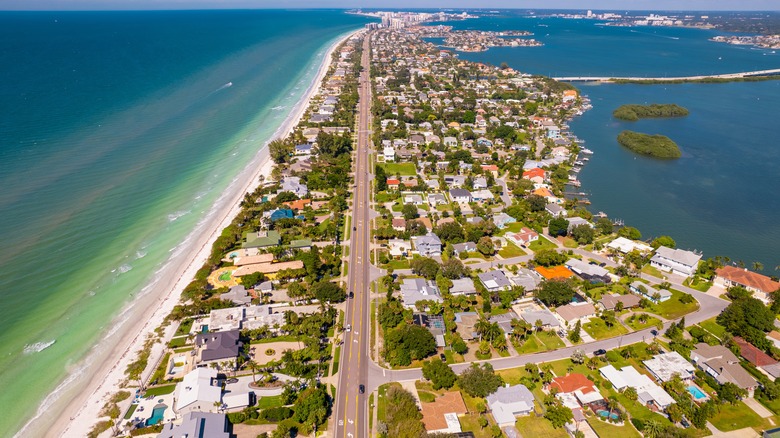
755 6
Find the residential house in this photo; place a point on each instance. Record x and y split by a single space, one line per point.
648 392
238 295
393 183
456 181
508 402
588 272
480 183
217 348
293 184
676 261
719 362
399 248
554 272
413 199
649 292
482 195
495 281
435 199
458 248
527 279
536 175
280 213
524 237
571 313
199 391
547 318
389 154
441 415
555 210
577 221
609 301
463 286
666 365
752 354
428 245
625 246
450 141
464 323
419 289
303 149
399 224
461 196
759 284
198 424
577 387
262 239
545 193
502 219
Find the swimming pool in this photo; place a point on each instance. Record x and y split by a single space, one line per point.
606 414
697 393
157 415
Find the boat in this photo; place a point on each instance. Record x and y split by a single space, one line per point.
586 151
601 214
579 163
574 183
576 169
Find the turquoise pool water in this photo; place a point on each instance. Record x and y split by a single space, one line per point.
697 393
157 415
606 414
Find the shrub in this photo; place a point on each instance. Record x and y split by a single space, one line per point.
277 414
638 424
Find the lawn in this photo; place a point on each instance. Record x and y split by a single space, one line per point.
470 423
733 417
514 227
698 284
634 323
381 404
713 327
542 243
673 308
336 359
542 341
178 342
652 270
398 264
599 330
511 250
272 401
403 169
383 197
130 411
426 397
184 328
160 390
606 429
531 426
568 242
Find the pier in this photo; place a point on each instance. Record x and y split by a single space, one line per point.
744 74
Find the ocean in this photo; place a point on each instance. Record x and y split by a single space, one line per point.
118 132
721 196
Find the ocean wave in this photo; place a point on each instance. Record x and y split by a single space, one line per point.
175 215
38 346
123 268
279 108
140 254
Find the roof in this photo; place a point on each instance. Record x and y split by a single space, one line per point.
547 317
626 245
573 382
752 354
418 289
460 193
571 312
494 279
221 345
197 388
251 260
706 352
507 402
267 268
665 366
462 286
731 372
198 424
748 278
533 173
650 290
681 256
433 413
543 192
609 301
646 389
237 294
581 267
262 238
554 272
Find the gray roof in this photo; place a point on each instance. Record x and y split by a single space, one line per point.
460 193
526 278
580 267
196 425
547 317
418 289
554 208
681 256
238 295
463 286
507 402
464 247
504 320
220 345
428 239
494 279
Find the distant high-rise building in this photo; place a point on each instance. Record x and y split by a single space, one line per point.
590 13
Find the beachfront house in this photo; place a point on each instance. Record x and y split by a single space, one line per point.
221 349
198 424
676 261
199 391
759 284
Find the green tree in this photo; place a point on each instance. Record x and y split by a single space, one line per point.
663 241
536 202
575 336
630 233
380 177
485 246
479 380
555 292
439 374
675 413
604 226
327 291
453 269
407 343
558 415
558 226
549 257
425 266
583 234
402 417
731 393
410 211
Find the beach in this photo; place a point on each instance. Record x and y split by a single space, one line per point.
148 311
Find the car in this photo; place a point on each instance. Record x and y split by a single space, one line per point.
654 332
443 357
349 327
362 389
600 352
352 295
231 380
354 228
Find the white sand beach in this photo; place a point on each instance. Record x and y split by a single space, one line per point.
80 412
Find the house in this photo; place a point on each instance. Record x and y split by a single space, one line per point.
303 149
441 416
508 402
648 392
548 319
502 219
435 199
752 354
609 301
482 195
480 183
463 286
719 362
413 199
262 239
524 237
461 196
571 313
464 323
399 224
199 391
494 281
555 210
625 246
458 248
536 175
492 168
198 424
428 245
298 204
450 141
545 193
217 347
649 292
577 221
419 289
393 183
676 261
251 317
665 366
238 295
759 284
399 248
455 180
578 386
280 213
554 272
593 273
293 184
267 268
527 279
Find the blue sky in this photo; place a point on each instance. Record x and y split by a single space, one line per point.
519 4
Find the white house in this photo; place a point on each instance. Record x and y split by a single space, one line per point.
508 402
389 153
676 261
199 391
649 292
648 392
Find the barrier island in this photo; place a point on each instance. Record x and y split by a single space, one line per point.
658 146
635 112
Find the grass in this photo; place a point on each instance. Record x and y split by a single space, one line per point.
568 242
336 359
160 390
697 283
426 397
606 429
285 338
532 426
470 423
652 270
713 327
540 244
381 407
513 227
184 328
542 341
673 308
225 276
178 342
404 169
737 416
398 264
511 250
272 401
159 373
599 330
371 412
129 413
636 325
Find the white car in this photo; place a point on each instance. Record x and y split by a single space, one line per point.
349 327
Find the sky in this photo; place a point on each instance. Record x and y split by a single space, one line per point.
621 5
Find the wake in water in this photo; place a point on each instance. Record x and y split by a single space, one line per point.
656 35
175 215
38 347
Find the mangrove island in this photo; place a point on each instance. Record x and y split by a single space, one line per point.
658 146
635 112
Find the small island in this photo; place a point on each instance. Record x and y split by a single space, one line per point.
658 146
635 112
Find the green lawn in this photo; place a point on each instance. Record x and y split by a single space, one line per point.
184 328
336 359
636 325
542 341
272 401
542 243
698 284
511 250
713 327
514 227
673 308
531 426
652 270
426 397
130 411
550 339
178 342
383 197
599 330
606 429
398 264
160 390
568 242
470 423
404 169
381 405
733 417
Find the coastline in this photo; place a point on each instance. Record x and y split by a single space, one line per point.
82 411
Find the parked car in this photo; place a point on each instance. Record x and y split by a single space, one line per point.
600 352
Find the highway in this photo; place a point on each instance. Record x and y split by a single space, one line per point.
350 406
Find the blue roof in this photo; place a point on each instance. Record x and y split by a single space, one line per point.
282 213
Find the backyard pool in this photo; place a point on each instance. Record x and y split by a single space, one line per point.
697 393
157 415
606 414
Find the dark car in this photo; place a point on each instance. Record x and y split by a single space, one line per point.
600 352
443 357
354 228
231 380
362 389
352 295
654 332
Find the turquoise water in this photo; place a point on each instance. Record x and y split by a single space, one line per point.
158 413
606 414
696 392
119 132
721 196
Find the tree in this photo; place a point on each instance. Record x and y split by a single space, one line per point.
410 211
630 393
630 233
575 335
327 291
558 226
549 257
555 292
312 406
425 266
407 343
653 428
604 226
748 318
453 269
578 356
536 202
450 232
479 381
583 234
731 393
402 415
485 246
558 415
459 345
738 293
380 177
663 241
280 150
439 374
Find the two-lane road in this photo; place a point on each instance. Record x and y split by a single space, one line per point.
351 407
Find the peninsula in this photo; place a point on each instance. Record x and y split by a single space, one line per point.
633 113
658 146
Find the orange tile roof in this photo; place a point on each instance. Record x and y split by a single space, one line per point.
554 272
752 354
433 413
299 204
543 191
573 382
534 173
748 278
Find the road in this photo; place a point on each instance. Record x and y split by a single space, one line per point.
350 406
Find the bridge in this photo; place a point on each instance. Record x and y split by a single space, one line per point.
744 74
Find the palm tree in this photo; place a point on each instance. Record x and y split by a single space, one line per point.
612 403
652 428
254 366
758 266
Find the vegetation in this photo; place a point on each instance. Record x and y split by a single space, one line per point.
555 292
402 417
407 343
658 146
439 374
634 112
479 381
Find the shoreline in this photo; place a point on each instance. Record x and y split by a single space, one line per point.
82 411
